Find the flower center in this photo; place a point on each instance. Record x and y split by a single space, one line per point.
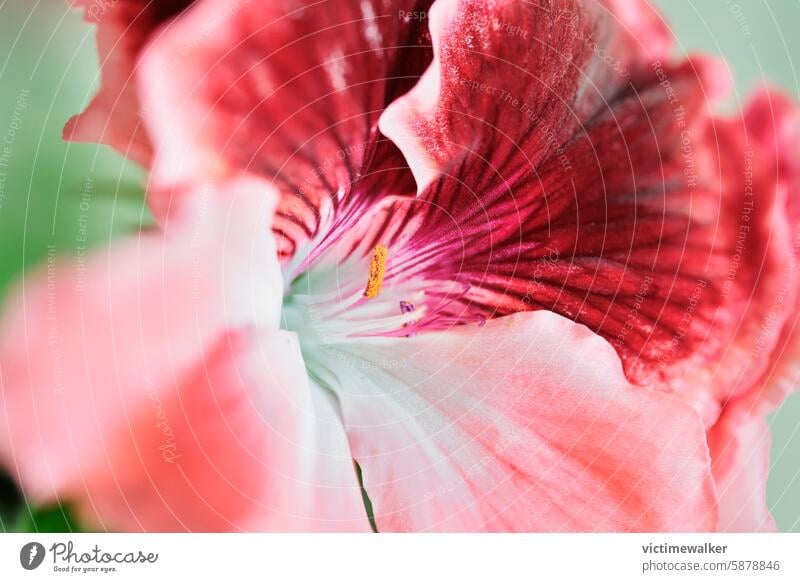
330 302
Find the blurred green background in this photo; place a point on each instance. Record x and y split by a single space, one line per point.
51 191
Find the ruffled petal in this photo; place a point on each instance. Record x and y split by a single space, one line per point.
290 91
526 424
760 172
114 115
150 385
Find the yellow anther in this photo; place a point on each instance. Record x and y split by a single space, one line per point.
377 269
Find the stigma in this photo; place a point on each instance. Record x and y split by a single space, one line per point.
377 269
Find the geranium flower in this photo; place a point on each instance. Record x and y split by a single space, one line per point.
520 277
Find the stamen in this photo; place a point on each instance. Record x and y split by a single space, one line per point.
377 269
408 307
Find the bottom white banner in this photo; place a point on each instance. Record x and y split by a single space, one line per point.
243 557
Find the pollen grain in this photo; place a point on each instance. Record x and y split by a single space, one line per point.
377 269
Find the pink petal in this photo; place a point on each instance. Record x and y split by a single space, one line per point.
774 120
526 423
760 171
645 33
114 115
740 446
756 226
286 90
150 386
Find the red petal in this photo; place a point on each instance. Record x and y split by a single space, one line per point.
611 226
758 227
291 91
509 80
114 115
570 177
759 169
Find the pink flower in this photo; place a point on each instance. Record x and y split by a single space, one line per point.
560 296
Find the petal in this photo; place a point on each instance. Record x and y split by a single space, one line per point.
114 115
566 172
531 73
149 385
82 335
768 134
232 443
740 446
646 33
526 423
613 225
760 172
286 90
758 229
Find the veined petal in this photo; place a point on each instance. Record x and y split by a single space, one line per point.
114 115
512 81
290 91
564 172
526 423
612 225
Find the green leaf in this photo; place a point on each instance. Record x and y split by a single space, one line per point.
50 519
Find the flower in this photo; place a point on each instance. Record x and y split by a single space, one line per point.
521 278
